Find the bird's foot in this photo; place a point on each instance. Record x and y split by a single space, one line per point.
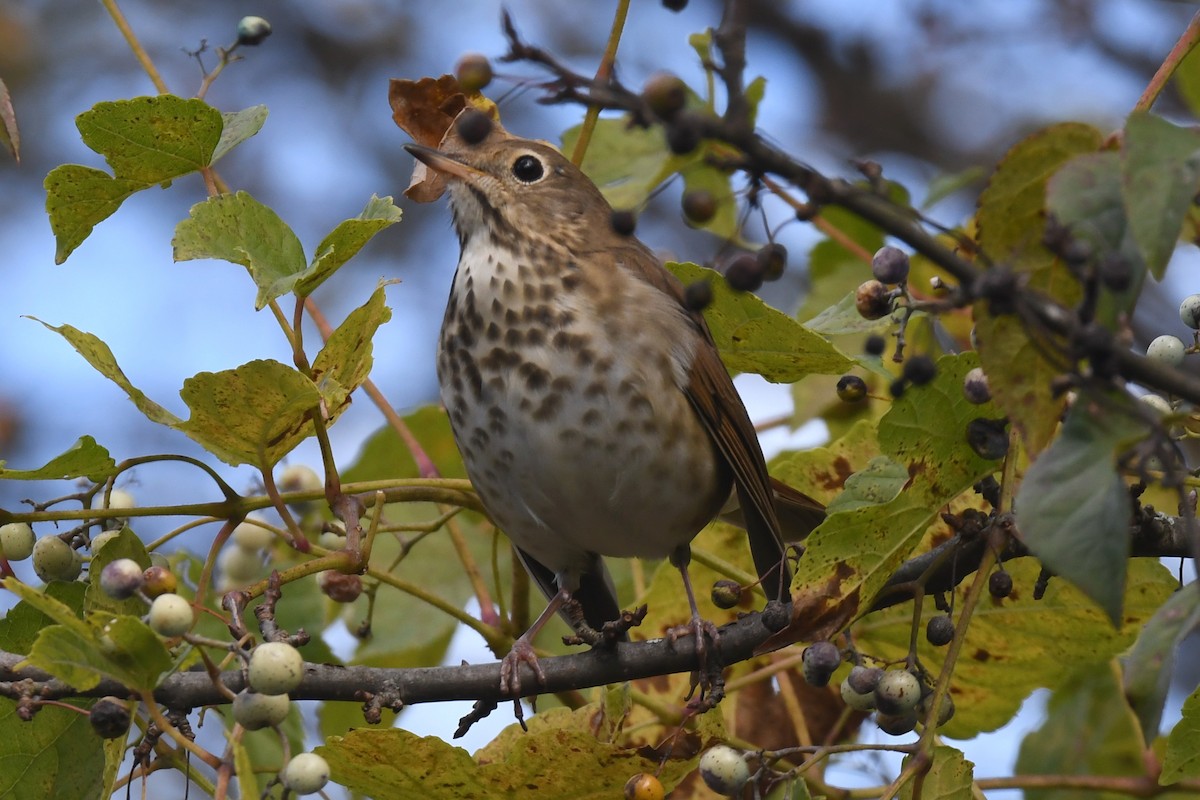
609 633
701 629
510 674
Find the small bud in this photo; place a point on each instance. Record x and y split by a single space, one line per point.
872 300
473 126
474 72
252 31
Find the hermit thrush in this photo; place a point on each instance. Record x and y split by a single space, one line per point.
593 413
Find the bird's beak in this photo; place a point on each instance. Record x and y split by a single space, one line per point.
443 164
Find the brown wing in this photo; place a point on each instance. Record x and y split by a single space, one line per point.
720 408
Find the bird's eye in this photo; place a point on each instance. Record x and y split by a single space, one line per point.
528 169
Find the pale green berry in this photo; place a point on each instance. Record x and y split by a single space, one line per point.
1160 405
275 668
1167 349
119 498
1189 311
55 560
16 541
250 536
306 773
101 539
724 769
856 700
239 565
898 692
254 711
171 615
331 541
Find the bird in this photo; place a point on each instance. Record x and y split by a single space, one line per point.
588 400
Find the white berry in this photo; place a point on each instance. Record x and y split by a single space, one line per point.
275 668
250 536
857 700
101 539
239 565
55 560
1160 404
16 541
898 692
254 711
1189 311
120 579
724 769
306 773
1167 349
171 615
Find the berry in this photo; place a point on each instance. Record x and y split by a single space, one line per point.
896 724
863 680
331 540
898 692
474 72
890 265
665 94
1161 405
724 769
683 135
275 668
675 5
252 31
1167 349
988 438
699 206
306 773
975 387
119 498
101 539
16 541
248 535
859 701
772 258
726 593
240 566
623 222
897 387
874 345
872 300
171 615
1000 584
120 579
744 274
1189 311
698 295
254 711
473 126
158 580
939 630
339 587
819 661
919 370
998 286
945 709
851 389
644 786
55 560
110 717
1114 272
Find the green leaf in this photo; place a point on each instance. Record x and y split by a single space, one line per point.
754 92
64 611
1018 643
237 127
1182 759
84 459
345 240
1086 197
125 544
97 353
626 162
1085 733
1187 80
753 337
1010 223
702 43
849 558
950 776
239 229
132 653
55 756
1073 508
842 318
946 184
385 457
150 140
881 481
1149 665
254 414
1160 175
77 200
346 357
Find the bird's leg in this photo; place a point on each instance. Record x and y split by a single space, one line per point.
522 652
698 626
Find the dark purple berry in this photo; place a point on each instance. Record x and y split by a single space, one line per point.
890 265
1000 584
773 259
473 126
939 630
698 295
919 370
744 274
851 389
623 222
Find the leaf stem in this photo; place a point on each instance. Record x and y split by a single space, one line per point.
603 73
1188 40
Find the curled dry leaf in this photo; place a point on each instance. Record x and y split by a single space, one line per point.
426 110
10 137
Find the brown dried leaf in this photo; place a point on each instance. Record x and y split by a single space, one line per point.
426 110
10 137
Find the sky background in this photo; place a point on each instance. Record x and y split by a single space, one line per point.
924 87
